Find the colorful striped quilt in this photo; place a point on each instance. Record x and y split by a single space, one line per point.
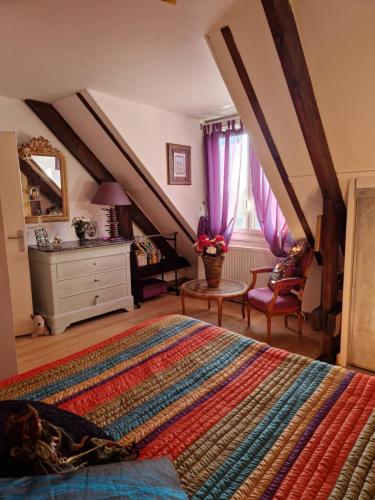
240 419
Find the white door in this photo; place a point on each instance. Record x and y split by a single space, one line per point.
8 359
14 234
362 324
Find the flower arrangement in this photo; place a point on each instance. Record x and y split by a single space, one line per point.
213 247
80 223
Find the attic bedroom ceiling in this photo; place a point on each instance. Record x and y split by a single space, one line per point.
141 50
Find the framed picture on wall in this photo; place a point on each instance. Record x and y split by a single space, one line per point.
179 164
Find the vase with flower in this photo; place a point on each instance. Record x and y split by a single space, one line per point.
80 225
212 251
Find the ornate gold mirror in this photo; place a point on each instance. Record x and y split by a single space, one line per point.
44 187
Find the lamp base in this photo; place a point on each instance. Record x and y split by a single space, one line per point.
112 224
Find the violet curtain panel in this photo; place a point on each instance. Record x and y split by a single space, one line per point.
223 155
270 216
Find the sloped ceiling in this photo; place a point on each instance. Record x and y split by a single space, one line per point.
339 42
142 50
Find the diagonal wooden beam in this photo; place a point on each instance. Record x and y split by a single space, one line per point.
284 31
126 155
74 144
259 115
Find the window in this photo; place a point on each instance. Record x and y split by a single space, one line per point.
246 219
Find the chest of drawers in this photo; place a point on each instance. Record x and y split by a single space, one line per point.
79 283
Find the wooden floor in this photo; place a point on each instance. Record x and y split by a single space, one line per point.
38 351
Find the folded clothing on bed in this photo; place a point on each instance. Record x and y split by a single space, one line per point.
19 456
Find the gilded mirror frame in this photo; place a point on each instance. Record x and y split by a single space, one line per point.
39 146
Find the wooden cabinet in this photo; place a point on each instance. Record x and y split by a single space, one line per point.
77 283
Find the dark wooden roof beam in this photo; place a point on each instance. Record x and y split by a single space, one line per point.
285 34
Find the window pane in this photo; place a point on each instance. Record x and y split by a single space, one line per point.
242 219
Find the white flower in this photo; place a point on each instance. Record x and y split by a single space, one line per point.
211 250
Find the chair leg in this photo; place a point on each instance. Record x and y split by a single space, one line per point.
286 321
300 322
269 330
248 313
243 306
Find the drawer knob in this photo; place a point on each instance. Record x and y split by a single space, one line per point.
96 281
96 300
94 263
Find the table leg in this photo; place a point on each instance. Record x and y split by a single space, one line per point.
183 302
219 309
209 305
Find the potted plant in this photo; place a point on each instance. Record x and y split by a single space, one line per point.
80 225
212 251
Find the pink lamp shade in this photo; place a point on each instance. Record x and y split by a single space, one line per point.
111 193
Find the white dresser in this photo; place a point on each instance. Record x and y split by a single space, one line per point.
79 282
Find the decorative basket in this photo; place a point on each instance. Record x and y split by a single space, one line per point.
213 265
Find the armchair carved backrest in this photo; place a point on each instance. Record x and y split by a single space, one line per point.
280 297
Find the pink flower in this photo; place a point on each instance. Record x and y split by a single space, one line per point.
203 237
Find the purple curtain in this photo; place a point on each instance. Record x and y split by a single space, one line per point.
222 150
270 217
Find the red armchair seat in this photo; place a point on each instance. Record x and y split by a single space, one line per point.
285 304
283 299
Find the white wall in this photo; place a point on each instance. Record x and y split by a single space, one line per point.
16 116
147 130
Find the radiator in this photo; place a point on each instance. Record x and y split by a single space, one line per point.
239 261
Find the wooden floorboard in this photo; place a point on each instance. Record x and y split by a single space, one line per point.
34 352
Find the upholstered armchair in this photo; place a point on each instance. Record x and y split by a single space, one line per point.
285 298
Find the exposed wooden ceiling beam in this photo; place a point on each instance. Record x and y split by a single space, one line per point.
64 132
259 115
289 48
126 155
73 143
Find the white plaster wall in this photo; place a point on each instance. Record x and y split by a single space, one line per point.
16 116
147 130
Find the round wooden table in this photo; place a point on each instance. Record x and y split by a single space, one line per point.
198 289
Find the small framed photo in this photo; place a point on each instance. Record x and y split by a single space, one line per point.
179 164
41 237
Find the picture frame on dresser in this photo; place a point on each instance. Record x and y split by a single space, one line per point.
41 237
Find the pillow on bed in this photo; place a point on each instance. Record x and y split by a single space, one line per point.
152 479
77 427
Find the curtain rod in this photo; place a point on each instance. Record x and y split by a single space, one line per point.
221 119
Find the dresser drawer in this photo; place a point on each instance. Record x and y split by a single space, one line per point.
91 282
96 297
76 268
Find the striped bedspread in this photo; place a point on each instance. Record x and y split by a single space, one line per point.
239 418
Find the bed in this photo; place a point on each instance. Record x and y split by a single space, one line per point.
240 419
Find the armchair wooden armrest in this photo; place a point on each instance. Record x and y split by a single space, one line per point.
287 283
261 270
255 273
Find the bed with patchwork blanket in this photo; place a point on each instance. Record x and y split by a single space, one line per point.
240 419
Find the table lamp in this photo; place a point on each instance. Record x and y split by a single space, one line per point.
112 194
